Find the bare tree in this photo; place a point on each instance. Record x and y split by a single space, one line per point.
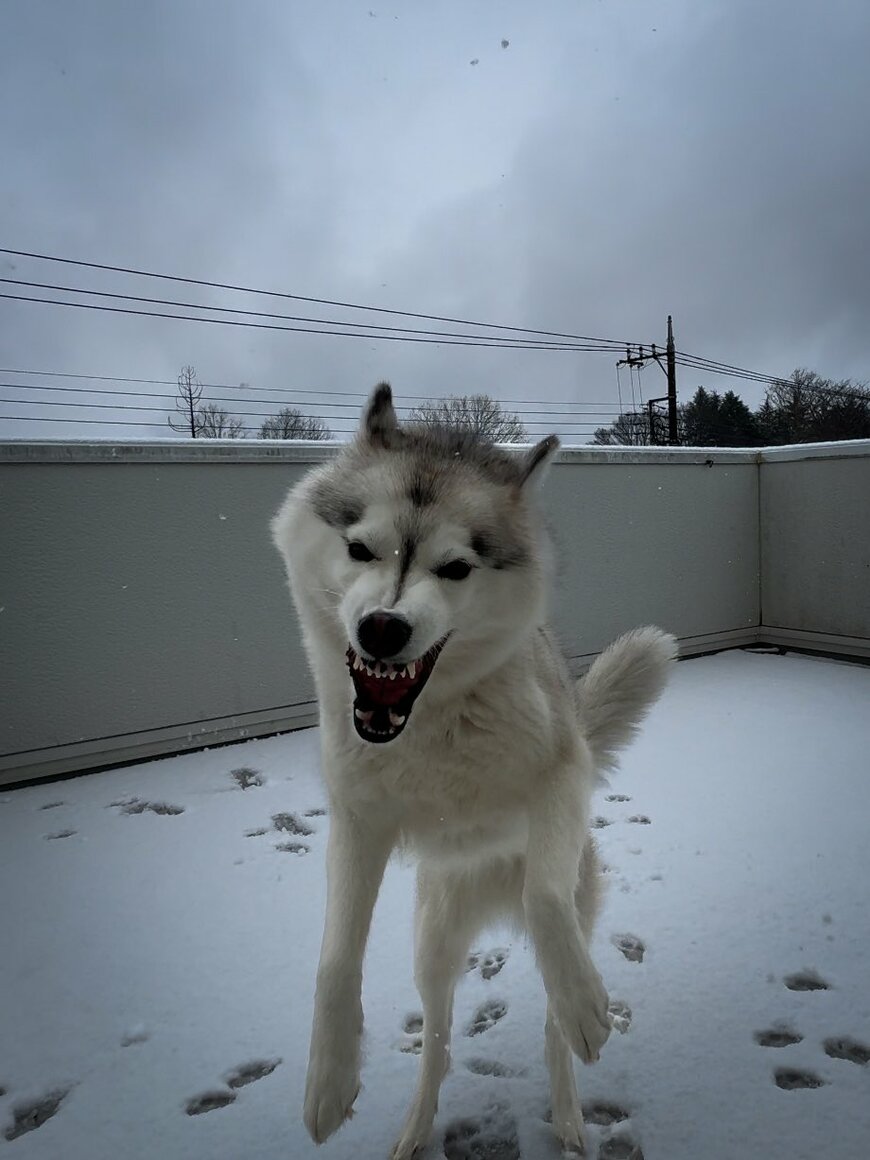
630 429
187 403
808 407
480 414
214 422
290 423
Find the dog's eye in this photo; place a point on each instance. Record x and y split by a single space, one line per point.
357 550
454 570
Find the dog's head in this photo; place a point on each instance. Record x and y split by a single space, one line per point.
419 544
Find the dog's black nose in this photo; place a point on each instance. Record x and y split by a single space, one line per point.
383 634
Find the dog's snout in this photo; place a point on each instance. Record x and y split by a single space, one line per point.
383 634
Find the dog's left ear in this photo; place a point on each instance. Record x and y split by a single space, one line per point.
533 464
379 424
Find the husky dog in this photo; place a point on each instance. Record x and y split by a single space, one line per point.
450 728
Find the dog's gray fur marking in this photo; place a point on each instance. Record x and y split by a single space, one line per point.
335 506
497 555
423 490
406 559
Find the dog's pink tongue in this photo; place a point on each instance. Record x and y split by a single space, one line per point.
383 691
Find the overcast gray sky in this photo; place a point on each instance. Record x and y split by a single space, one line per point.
617 161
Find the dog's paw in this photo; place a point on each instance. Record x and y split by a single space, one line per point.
330 1093
583 1017
412 1143
570 1134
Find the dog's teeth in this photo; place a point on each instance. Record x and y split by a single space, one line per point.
365 717
393 673
412 669
396 719
357 663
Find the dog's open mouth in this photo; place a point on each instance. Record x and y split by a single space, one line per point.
385 693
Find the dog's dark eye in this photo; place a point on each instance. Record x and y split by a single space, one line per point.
357 550
454 570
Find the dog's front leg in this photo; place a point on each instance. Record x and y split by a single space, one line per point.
557 832
356 856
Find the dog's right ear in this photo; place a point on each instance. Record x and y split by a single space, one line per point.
380 427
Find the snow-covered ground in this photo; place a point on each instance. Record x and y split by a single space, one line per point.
160 926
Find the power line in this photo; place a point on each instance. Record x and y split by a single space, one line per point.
352 412
140 423
606 342
356 395
567 417
509 345
571 341
711 367
490 340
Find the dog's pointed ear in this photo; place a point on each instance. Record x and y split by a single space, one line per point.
379 423
534 462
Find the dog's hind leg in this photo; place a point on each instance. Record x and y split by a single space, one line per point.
554 861
444 930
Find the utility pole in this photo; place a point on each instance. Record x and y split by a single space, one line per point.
640 359
672 385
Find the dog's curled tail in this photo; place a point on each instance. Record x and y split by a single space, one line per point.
619 689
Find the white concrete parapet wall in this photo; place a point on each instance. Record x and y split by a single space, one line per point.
145 611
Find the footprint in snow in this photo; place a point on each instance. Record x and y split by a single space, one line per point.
806 981
494 1068
489 1139
605 1114
779 1036
489 962
59 834
620 1148
290 824
317 812
52 805
599 823
630 946
640 819
251 1072
138 806
790 1079
617 797
842 1047
239 1077
492 963
246 778
412 1025
209 1102
297 848
486 1016
620 1015
32 1114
